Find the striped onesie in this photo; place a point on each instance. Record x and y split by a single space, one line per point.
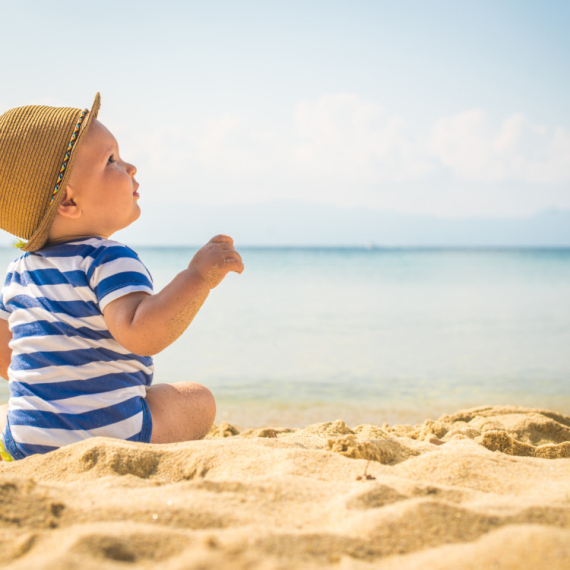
69 378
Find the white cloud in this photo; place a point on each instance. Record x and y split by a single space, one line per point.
229 145
356 140
344 150
344 137
474 148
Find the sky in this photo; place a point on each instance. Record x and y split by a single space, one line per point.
453 109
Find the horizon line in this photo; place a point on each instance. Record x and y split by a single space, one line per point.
360 246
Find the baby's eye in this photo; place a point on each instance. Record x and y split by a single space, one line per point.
111 158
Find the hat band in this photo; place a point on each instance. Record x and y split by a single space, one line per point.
68 154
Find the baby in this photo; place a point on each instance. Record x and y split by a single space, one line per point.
79 320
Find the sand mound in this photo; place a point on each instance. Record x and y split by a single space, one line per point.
494 494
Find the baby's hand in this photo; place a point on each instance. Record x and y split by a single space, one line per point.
215 259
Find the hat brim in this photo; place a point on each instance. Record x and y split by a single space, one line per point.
40 236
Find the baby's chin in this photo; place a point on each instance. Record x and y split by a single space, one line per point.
137 213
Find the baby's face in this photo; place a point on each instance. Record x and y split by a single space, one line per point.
102 184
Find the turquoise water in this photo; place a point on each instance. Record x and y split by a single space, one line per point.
373 335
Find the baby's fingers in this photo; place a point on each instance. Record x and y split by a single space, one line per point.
222 238
235 260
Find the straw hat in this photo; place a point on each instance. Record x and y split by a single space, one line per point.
38 145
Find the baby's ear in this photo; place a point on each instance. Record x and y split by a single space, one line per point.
68 208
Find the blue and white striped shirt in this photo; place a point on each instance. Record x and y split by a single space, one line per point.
69 378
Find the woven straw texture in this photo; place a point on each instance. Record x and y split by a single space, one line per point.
34 141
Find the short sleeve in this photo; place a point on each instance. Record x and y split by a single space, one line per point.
117 271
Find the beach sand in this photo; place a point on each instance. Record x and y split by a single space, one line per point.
495 494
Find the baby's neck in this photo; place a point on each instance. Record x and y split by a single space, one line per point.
63 231
70 237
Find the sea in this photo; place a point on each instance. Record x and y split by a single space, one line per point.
372 334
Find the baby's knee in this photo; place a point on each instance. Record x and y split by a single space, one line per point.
208 402
195 390
180 412
203 404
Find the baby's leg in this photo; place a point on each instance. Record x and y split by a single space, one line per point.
180 412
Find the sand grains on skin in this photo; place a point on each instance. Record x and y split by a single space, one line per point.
495 493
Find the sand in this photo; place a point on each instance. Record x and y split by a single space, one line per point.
487 487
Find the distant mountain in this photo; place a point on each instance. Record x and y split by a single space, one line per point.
298 223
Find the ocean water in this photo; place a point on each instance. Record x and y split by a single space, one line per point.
373 335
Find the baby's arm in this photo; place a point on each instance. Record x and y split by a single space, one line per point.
5 350
146 324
